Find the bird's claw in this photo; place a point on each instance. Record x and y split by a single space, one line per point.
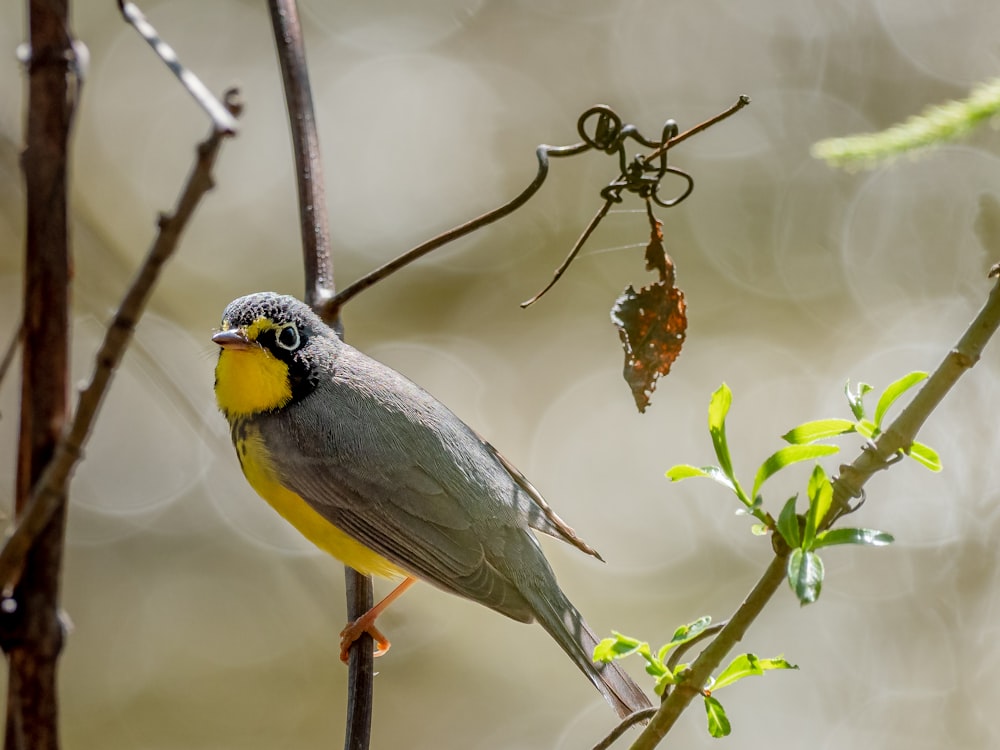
355 630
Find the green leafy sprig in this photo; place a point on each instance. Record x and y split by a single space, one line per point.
871 429
806 533
669 675
935 125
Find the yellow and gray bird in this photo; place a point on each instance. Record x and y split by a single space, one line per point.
377 472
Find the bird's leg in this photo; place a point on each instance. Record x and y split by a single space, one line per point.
366 623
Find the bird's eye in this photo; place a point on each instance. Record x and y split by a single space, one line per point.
288 338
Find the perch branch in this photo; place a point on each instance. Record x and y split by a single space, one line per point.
319 283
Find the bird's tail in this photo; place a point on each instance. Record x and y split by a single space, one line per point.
561 619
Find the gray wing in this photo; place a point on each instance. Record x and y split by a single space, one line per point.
389 465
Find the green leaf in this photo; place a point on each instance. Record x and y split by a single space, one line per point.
662 681
788 523
925 455
685 633
820 429
871 537
856 400
820 498
748 665
777 663
618 647
742 666
893 392
718 722
718 408
685 471
867 429
656 668
805 575
786 457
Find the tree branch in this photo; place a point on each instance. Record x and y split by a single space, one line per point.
223 120
49 492
897 437
30 631
313 221
320 288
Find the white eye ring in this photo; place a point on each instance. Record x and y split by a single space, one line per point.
288 337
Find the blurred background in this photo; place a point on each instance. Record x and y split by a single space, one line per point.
202 621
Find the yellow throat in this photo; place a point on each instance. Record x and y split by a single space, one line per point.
252 380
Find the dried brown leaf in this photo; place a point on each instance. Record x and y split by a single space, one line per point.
651 322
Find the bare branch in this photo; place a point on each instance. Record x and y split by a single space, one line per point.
313 220
10 351
32 638
49 492
222 119
627 723
319 284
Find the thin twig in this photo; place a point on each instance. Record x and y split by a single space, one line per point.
319 284
10 351
223 121
313 222
677 653
49 492
627 723
361 664
897 437
743 101
709 659
577 246
543 153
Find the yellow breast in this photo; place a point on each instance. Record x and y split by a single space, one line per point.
250 381
258 469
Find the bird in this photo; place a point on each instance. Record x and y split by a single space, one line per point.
375 471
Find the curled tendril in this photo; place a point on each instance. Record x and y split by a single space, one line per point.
642 175
600 129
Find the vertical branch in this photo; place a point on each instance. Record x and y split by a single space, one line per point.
313 221
32 633
320 289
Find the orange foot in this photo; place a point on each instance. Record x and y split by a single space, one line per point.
366 624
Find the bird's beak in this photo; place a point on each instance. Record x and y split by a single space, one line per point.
234 338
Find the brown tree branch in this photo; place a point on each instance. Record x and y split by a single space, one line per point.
896 438
542 153
30 632
320 288
48 493
313 221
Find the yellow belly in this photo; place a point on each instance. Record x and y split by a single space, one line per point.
260 474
